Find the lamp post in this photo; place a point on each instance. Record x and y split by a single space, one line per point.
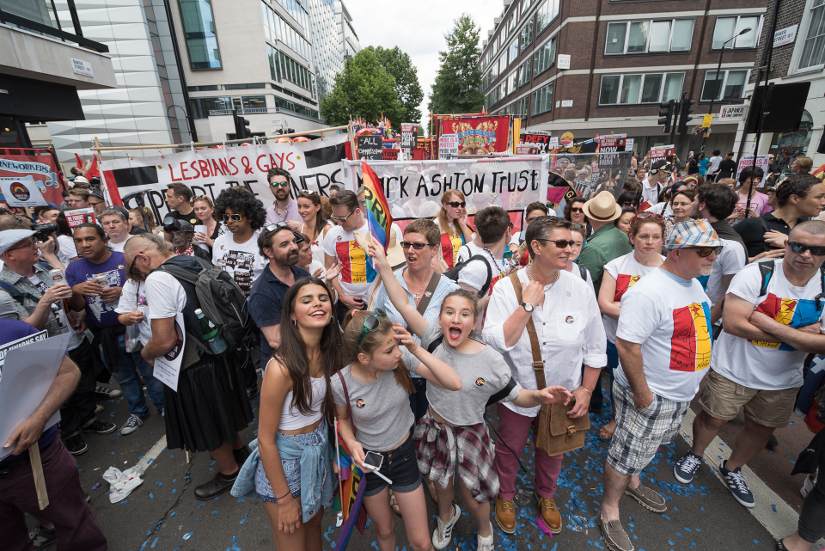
721 92
347 57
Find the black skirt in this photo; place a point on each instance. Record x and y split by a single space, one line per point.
209 408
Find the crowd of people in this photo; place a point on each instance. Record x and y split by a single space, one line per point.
407 349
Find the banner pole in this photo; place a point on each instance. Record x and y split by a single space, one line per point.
39 477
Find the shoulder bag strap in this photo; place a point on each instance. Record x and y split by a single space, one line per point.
425 300
346 397
538 363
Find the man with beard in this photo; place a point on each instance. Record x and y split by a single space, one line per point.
284 209
664 345
182 233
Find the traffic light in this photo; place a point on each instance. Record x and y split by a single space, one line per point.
242 130
684 115
666 115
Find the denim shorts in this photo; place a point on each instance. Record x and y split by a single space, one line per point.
401 466
292 467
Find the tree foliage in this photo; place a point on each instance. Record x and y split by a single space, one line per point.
457 87
400 66
372 91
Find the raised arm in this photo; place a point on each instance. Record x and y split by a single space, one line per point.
415 321
430 368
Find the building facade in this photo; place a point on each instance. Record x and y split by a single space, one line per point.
333 38
46 63
625 57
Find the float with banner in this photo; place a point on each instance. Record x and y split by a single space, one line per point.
480 134
36 167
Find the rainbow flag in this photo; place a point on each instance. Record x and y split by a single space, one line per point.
378 210
351 490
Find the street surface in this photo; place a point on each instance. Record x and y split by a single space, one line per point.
163 514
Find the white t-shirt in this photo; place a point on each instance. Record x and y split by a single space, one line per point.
671 320
651 195
626 270
67 250
732 259
576 271
357 273
474 274
713 164
134 298
313 267
662 208
118 246
764 365
243 261
165 295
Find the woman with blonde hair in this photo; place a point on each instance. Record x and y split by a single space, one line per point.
316 225
452 220
205 211
136 219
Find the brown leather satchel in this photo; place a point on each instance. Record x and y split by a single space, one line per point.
557 432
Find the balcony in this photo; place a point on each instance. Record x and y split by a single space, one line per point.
41 16
244 111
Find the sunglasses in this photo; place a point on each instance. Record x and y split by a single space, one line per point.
371 323
802 247
132 266
279 184
197 198
576 209
362 203
284 226
32 244
342 218
560 243
643 215
233 217
705 252
456 204
417 246
307 192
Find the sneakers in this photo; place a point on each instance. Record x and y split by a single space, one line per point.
485 544
649 499
686 468
738 485
75 444
443 533
98 409
42 537
106 393
100 427
506 515
132 424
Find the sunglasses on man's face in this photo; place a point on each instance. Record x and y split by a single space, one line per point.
456 204
576 209
560 243
802 247
233 217
371 323
705 252
279 184
417 246
342 218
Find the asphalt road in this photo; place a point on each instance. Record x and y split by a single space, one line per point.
163 513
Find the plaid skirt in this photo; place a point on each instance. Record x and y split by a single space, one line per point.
443 450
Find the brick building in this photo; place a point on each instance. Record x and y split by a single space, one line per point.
626 56
800 57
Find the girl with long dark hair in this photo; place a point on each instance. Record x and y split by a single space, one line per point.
316 225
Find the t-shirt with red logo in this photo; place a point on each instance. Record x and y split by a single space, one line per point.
626 270
357 273
451 242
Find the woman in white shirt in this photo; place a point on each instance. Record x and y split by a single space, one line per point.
315 225
452 221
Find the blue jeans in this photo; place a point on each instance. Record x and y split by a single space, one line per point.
129 365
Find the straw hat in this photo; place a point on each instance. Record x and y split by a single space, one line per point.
395 254
602 208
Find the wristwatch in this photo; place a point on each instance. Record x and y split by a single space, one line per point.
528 307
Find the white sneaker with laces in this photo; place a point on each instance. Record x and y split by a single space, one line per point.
443 533
132 424
485 544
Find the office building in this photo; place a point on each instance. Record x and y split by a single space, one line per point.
625 57
333 39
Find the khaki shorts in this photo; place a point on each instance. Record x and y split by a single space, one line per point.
721 398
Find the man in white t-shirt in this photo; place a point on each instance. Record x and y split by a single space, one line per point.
714 204
773 319
654 184
355 282
713 165
664 345
117 227
237 252
493 229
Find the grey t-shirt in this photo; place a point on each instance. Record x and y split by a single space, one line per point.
482 375
380 409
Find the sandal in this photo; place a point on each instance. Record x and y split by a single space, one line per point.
394 504
605 434
780 545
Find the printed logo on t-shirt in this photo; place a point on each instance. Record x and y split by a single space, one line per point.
359 403
690 345
354 265
480 381
242 265
450 243
97 305
787 311
623 283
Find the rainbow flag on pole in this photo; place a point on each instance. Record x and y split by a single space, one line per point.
350 494
378 210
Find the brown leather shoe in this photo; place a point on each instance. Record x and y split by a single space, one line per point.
506 515
549 514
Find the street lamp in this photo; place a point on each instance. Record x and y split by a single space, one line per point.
347 57
721 92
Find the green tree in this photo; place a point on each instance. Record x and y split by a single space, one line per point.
457 87
373 92
400 66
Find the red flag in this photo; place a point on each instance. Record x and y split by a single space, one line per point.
93 172
79 161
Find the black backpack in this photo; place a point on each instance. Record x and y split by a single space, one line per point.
766 268
455 271
219 297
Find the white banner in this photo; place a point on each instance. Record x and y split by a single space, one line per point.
414 188
312 165
761 162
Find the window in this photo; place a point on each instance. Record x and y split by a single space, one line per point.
814 52
200 35
254 102
502 89
494 71
524 73
511 81
732 82
202 106
728 27
543 99
545 14
635 37
545 56
526 35
502 64
640 88
513 51
521 106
